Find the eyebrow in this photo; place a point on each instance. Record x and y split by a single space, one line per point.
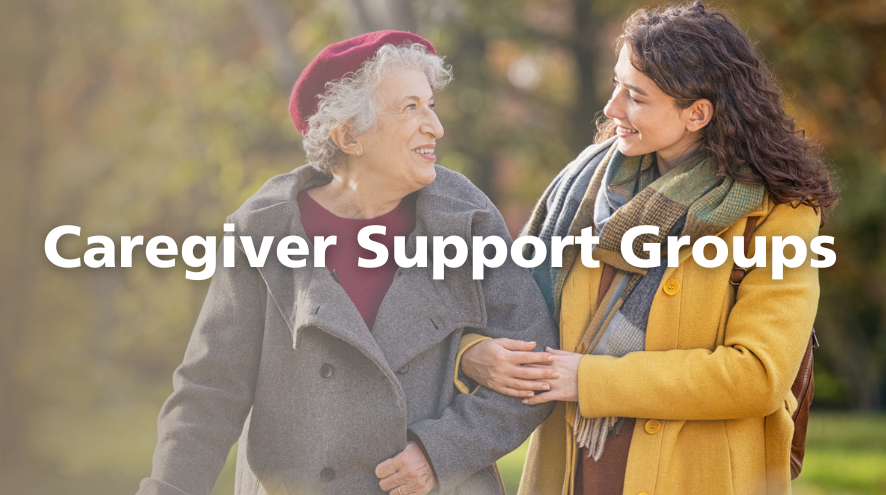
633 88
415 98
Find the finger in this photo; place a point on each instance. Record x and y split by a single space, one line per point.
552 370
421 484
541 398
393 481
528 385
387 468
537 372
409 479
557 351
513 392
389 485
516 345
531 357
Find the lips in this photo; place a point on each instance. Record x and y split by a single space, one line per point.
625 132
426 152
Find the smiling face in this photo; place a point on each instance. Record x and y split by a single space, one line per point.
648 120
399 150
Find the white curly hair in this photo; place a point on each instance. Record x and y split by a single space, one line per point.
352 100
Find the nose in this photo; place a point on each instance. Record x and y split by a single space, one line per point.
614 108
431 125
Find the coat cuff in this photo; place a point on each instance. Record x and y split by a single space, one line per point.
585 368
463 383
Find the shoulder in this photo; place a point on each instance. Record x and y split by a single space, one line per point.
280 190
787 219
459 188
592 155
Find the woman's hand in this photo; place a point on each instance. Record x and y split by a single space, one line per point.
564 388
407 473
510 367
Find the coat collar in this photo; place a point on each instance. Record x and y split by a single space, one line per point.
416 313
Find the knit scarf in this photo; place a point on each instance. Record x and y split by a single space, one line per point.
617 193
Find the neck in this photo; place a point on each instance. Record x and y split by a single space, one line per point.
671 159
355 195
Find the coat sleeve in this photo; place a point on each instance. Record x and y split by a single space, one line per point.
750 375
476 430
213 387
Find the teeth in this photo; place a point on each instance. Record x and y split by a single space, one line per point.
424 151
625 129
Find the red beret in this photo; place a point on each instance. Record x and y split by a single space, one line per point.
335 62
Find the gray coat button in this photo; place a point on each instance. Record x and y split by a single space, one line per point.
327 474
326 370
404 369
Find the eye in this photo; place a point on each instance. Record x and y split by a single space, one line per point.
410 107
615 82
432 105
631 97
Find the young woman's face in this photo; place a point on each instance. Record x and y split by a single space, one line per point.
647 119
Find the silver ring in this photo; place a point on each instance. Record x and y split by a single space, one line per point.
399 491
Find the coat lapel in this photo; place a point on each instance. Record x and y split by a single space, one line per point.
416 313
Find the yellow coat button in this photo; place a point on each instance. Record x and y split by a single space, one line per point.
671 287
652 426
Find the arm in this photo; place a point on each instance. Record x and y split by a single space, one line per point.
475 430
213 387
749 376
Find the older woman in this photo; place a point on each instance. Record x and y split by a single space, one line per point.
338 379
675 379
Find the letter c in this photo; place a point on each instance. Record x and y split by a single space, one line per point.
51 246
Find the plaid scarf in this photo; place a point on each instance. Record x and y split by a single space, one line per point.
625 192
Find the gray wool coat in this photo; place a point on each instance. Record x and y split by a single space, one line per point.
282 359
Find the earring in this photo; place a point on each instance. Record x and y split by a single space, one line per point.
359 152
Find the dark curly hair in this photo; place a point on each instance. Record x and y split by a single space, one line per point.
691 53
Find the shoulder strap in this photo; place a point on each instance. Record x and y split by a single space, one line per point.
738 272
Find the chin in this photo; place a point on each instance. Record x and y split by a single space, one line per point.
428 176
628 150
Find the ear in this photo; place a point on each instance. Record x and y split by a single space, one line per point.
699 114
342 137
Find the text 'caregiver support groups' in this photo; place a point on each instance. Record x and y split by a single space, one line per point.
293 251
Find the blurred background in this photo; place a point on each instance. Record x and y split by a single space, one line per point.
161 117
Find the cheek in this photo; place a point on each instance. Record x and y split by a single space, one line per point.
659 125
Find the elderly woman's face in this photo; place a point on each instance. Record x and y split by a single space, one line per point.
401 146
647 119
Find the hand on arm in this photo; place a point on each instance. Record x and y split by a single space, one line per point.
509 367
565 386
407 473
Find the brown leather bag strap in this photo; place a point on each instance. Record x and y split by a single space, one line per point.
738 272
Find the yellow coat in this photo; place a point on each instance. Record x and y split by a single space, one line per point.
712 389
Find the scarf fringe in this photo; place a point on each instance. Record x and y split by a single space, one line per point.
591 433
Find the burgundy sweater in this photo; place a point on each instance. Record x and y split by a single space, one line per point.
365 286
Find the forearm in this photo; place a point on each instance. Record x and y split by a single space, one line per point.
692 384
